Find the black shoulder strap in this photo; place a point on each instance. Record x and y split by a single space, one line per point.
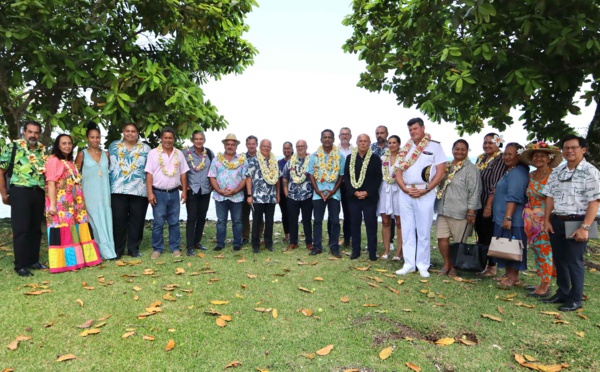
11 164
211 156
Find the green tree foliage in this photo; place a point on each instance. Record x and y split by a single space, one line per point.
115 61
472 60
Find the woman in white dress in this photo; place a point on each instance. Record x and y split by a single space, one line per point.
389 202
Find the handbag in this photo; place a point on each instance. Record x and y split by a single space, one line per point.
506 248
468 257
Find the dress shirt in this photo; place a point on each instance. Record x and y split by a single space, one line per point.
432 155
161 180
573 190
198 179
298 192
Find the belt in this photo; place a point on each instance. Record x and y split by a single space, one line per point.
418 186
163 190
569 217
26 187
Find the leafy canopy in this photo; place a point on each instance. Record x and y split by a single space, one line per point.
115 61
467 61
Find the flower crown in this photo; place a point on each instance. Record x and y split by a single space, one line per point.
541 145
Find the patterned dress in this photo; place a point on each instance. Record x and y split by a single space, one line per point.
71 243
533 216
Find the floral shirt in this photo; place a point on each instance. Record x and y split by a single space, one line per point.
29 165
573 190
228 178
127 175
326 185
70 204
378 151
298 192
262 192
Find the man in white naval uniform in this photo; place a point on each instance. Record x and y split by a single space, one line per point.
421 167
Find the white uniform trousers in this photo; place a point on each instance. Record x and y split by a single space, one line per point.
416 215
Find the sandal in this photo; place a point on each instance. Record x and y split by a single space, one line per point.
396 258
384 257
443 271
452 272
508 283
489 271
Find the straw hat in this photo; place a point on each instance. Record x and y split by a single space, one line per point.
231 137
553 152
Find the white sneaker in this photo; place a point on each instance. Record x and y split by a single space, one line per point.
405 270
424 273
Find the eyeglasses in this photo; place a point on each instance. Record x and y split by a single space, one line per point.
344 134
570 148
300 146
565 175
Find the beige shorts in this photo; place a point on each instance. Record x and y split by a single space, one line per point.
446 227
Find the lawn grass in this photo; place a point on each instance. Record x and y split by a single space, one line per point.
408 321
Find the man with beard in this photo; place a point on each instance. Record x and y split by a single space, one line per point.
379 147
24 160
251 145
288 150
362 178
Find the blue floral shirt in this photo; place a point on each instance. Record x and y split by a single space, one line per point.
127 174
228 178
298 192
262 192
326 185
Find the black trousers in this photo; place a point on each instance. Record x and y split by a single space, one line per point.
346 226
567 255
129 215
484 227
283 205
246 221
27 214
268 211
196 206
367 210
293 208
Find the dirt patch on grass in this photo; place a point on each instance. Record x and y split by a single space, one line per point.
403 331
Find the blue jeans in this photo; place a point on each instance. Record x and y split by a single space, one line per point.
333 223
166 210
235 209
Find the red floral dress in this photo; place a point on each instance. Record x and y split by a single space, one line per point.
71 243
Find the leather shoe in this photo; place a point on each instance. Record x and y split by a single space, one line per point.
309 246
135 254
336 253
38 266
315 251
556 299
355 255
538 295
24 272
217 248
245 241
255 250
201 247
292 246
570 306
271 249
236 248
190 252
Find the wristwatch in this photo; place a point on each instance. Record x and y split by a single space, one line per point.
427 188
585 227
507 218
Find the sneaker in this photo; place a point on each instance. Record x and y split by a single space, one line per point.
155 255
190 252
405 270
424 273
177 253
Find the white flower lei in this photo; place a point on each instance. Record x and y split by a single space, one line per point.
298 174
161 162
269 171
121 157
481 164
385 167
328 172
458 167
363 169
200 165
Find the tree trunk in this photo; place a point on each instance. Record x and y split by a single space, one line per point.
593 137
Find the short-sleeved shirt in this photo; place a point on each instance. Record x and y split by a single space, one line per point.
324 185
511 188
378 151
262 192
347 151
198 179
28 168
301 191
432 155
573 190
127 175
161 180
228 178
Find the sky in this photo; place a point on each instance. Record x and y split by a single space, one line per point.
302 82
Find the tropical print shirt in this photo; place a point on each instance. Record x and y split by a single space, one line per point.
573 190
298 192
127 175
262 192
228 178
29 165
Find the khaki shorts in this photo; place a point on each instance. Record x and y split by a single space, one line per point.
446 227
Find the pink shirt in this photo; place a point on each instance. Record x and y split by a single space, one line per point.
161 180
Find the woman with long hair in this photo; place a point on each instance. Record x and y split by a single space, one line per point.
93 165
389 201
71 242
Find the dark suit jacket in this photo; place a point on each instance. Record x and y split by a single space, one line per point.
373 178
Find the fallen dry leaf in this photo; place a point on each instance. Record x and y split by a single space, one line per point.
362 268
106 317
345 299
413 367
49 324
226 318
381 270
179 271
529 358
467 342
233 364
219 302
325 351
305 289
66 357
445 341
500 310
307 312
220 322
128 334
318 279
549 313
252 276
580 334
370 305
87 324
170 345
309 356
80 302
275 313
400 281
87 332
13 345
385 353
148 338
137 289
582 316
491 317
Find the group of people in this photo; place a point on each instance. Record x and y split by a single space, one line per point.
95 204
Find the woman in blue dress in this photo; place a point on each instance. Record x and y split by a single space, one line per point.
93 164
509 201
